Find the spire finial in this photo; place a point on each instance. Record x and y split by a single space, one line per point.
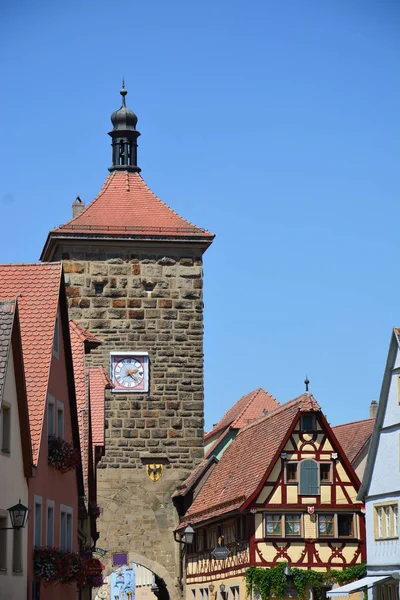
123 92
306 381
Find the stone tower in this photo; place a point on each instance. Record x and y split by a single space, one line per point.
134 278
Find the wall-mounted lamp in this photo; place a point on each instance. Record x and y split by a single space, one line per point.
222 588
288 570
186 537
211 587
18 516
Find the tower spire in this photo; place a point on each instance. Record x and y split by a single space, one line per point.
124 137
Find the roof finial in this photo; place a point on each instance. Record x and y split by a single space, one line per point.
123 92
306 381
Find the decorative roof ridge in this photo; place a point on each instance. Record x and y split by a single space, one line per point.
32 264
353 422
281 408
255 393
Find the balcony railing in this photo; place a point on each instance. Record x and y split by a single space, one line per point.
203 562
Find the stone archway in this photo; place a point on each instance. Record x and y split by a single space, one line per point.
162 587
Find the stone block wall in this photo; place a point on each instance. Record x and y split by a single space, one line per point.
151 300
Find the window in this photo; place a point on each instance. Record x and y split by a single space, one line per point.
56 339
273 525
380 522
17 551
326 525
345 525
325 472
50 523
308 422
37 535
98 289
292 525
50 416
66 527
60 419
3 543
234 593
309 478
5 428
386 520
291 473
241 528
339 525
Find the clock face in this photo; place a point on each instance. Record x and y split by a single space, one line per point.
129 372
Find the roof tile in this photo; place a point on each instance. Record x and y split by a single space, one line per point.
126 205
353 437
37 287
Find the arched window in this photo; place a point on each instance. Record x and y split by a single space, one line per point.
309 478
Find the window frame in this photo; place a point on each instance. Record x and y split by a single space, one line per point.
381 520
56 337
326 481
292 481
60 409
49 505
37 501
335 534
51 401
5 409
68 511
314 422
282 523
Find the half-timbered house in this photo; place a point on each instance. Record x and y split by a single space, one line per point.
283 491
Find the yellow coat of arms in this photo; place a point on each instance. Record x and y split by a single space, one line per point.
154 471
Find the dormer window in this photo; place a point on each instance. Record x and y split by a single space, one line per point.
308 422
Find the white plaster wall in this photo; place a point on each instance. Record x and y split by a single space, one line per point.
13 488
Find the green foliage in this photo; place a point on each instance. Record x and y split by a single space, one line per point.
273 582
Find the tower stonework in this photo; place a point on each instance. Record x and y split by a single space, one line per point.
133 270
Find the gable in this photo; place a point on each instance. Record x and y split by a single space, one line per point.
297 477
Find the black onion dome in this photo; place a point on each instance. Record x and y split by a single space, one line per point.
124 118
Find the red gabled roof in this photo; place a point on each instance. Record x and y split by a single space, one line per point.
248 408
127 206
98 381
353 437
244 463
84 335
37 287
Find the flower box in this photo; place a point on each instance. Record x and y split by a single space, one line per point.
94 509
52 565
62 455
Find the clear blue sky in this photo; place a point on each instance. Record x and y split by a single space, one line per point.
273 124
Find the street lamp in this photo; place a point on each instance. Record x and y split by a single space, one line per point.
18 516
188 535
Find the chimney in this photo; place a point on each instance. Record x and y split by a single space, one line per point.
77 207
373 409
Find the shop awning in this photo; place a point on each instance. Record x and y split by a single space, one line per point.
345 590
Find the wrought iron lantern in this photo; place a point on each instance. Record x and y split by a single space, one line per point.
18 516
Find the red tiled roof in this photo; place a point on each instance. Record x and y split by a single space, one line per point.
246 409
246 460
98 381
84 335
194 476
127 206
37 287
353 437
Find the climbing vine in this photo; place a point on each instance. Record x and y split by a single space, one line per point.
266 582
